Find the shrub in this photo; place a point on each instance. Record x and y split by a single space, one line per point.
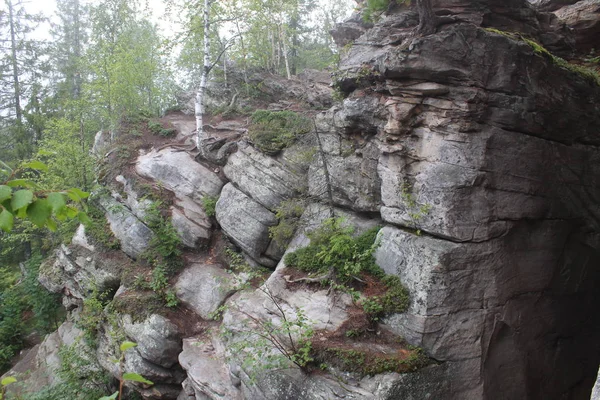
341 257
288 213
272 131
157 129
209 203
332 246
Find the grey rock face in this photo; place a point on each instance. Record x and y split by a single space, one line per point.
77 271
496 167
261 177
180 173
583 18
245 221
167 381
102 141
208 373
133 234
39 368
204 288
190 182
158 340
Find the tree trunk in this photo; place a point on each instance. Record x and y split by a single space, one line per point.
325 171
285 52
15 68
199 106
427 17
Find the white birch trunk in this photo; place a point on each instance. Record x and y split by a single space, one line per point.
285 53
199 103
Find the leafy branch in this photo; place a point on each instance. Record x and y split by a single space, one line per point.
22 198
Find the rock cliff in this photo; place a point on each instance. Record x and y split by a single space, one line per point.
474 148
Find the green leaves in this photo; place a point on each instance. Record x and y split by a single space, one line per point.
37 165
56 201
5 193
8 380
40 208
6 221
111 397
39 212
21 198
127 345
133 377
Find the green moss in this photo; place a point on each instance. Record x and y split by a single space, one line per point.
589 74
157 129
368 362
272 131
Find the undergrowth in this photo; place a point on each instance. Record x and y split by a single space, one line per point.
341 259
272 131
164 253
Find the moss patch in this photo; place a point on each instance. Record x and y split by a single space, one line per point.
272 131
589 74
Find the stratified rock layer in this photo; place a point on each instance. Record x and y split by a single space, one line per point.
488 154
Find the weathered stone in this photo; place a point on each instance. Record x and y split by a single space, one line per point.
245 221
81 239
158 340
77 271
583 18
208 373
204 288
132 233
137 205
102 141
264 179
180 173
39 368
193 232
353 179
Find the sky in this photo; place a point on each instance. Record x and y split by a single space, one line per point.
48 8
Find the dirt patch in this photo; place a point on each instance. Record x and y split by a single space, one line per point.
369 353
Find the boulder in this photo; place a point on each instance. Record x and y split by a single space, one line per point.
583 18
158 340
132 233
245 222
208 373
204 288
76 271
263 178
180 173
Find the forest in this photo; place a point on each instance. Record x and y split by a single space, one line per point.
87 68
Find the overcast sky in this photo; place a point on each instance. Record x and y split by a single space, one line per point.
48 8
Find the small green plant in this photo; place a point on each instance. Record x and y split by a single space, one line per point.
288 214
290 338
272 131
98 229
126 376
209 203
4 383
415 211
372 9
342 259
163 254
157 129
92 316
335 252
